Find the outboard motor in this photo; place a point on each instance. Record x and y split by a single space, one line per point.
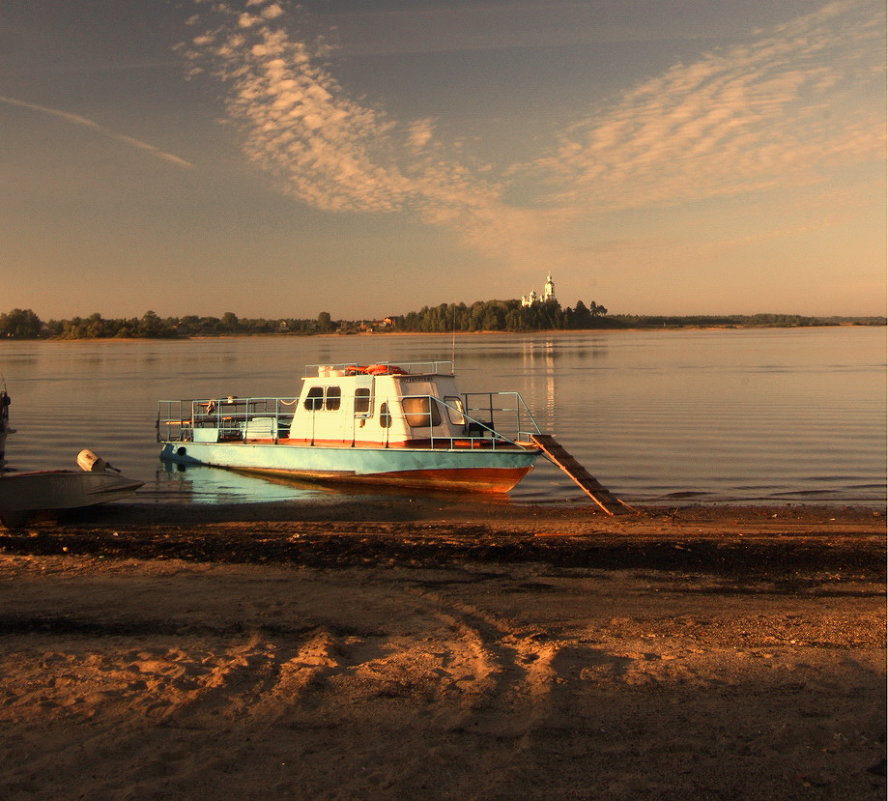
91 463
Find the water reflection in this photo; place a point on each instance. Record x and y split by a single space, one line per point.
198 484
539 358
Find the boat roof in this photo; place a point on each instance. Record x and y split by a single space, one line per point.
379 368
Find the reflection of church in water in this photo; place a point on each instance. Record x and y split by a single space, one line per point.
533 297
535 352
538 358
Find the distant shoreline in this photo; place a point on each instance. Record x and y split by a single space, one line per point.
482 317
383 334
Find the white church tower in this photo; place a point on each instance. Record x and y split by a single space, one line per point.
533 297
549 289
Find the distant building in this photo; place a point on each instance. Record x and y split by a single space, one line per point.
548 293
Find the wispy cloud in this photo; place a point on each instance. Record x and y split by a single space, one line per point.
84 122
337 153
777 110
299 124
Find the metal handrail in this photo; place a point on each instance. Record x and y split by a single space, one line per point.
430 367
521 427
231 417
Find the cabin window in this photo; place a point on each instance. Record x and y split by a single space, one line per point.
362 400
421 412
334 397
385 416
455 410
315 399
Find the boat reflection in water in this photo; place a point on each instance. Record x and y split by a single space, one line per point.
201 484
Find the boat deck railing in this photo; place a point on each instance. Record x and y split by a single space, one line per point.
227 419
484 419
436 367
499 415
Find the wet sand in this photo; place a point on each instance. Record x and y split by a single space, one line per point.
406 649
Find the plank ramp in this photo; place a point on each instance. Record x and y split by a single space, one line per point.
587 482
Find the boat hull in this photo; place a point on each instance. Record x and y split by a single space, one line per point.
62 489
489 471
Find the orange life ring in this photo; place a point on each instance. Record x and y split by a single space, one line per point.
384 369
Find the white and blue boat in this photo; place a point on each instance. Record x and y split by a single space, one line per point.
405 425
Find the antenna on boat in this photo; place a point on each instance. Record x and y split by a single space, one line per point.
453 340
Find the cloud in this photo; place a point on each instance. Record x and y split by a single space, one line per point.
779 109
420 133
747 119
336 153
76 119
298 123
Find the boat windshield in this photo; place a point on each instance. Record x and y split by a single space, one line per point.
420 412
455 410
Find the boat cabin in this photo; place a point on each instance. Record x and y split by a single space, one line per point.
379 404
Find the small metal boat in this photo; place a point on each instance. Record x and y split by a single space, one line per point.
405 425
25 494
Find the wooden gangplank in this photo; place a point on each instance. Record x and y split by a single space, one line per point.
587 482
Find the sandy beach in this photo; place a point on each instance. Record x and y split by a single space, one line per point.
443 650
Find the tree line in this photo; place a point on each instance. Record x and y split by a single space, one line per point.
491 315
25 324
480 316
505 315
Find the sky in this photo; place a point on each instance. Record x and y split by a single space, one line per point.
370 157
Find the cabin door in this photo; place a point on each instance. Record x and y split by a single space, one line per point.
363 401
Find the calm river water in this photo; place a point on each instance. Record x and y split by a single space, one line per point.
746 415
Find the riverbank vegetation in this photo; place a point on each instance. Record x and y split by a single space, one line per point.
491 315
